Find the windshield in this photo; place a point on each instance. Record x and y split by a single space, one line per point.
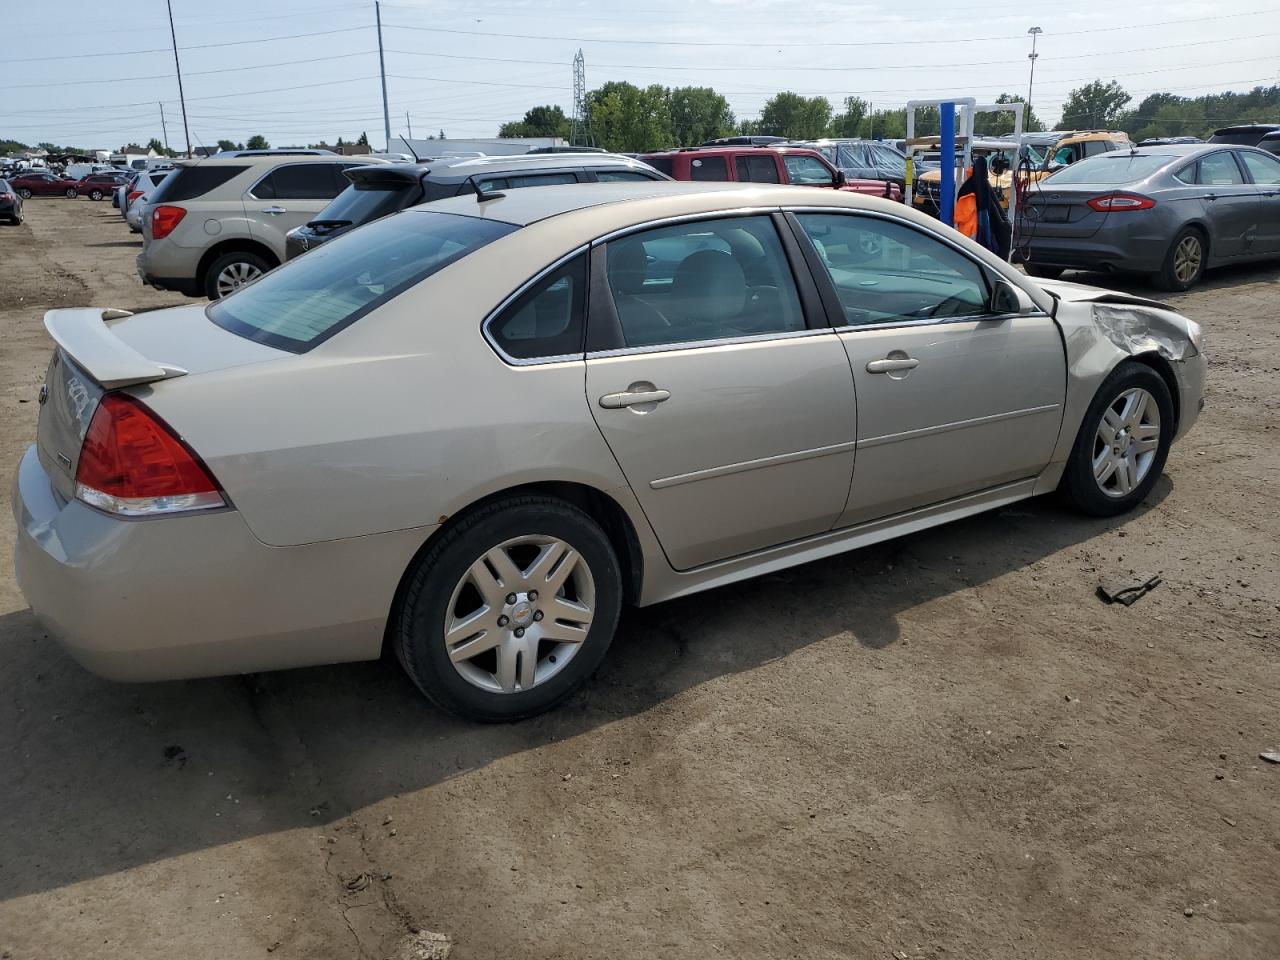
1109 169
308 300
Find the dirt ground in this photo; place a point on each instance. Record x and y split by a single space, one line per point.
943 747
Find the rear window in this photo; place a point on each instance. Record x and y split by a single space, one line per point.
196 181
1110 169
661 164
308 300
709 168
365 203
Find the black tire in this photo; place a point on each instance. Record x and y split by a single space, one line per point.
1078 481
417 630
24 193
72 193
95 194
1167 278
210 280
1042 271
16 219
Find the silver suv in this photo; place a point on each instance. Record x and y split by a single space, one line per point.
220 223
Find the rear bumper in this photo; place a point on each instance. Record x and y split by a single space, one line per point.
183 285
1104 253
198 595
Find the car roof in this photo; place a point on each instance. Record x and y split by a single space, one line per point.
457 169
267 159
637 202
1247 128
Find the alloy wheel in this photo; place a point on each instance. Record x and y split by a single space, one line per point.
234 276
519 614
1186 258
1126 442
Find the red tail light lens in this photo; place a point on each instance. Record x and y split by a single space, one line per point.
134 195
164 219
132 464
1118 202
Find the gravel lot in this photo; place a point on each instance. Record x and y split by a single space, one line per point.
942 747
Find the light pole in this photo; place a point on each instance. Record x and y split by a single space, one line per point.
1034 33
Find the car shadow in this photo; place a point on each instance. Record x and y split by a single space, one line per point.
1217 279
101 777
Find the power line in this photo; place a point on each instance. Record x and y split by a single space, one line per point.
196 46
189 73
816 43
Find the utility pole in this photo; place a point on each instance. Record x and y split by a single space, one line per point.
382 68
164 127
178 67
408 123
1034 33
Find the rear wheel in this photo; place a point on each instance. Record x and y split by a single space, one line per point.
72 193
1043 272
95 194
232 271
511 610
24 193
1123 442
1184 264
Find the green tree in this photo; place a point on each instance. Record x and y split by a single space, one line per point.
227 145
698 114
364 139
1095 105
544 121
849 123
790 115
257 142
626 118
1001 124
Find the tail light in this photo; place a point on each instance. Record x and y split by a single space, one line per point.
1118 202
133 465
134 195
164 219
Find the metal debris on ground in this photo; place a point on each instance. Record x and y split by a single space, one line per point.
359 882
1127 590
1271 756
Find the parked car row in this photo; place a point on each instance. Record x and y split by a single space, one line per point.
95 186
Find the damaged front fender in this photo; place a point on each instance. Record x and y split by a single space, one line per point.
1140 329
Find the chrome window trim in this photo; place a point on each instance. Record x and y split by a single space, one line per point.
932 322
685 218
513 297
705 344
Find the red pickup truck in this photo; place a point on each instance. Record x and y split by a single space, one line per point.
800 166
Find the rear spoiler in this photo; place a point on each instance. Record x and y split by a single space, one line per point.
84 336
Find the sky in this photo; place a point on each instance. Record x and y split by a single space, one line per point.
300 72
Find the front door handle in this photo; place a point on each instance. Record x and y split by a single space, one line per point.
274 211
631 398
890 364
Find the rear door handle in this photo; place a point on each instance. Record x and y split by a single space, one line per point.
888 365
616 401
274 211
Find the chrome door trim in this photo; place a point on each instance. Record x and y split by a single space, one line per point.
746 465
513 297
704 344
955 425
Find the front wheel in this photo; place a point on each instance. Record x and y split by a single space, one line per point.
511 610
232 271
1123 442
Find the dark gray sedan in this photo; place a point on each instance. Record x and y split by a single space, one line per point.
1170 211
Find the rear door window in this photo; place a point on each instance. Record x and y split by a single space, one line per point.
308 300
761 169
621 176
709 168
515 181
661 164
1220 170
300 181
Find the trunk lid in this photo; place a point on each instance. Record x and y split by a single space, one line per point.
1064 211
101 350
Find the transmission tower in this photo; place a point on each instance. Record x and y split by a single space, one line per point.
580 132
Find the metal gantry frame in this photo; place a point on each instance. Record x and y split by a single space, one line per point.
963 140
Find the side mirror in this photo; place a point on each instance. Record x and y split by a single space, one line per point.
1004 297
841 179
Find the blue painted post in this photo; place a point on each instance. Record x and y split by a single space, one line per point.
947 188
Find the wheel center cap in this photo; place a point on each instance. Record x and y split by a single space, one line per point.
522 613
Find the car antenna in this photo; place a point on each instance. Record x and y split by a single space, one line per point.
482 195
